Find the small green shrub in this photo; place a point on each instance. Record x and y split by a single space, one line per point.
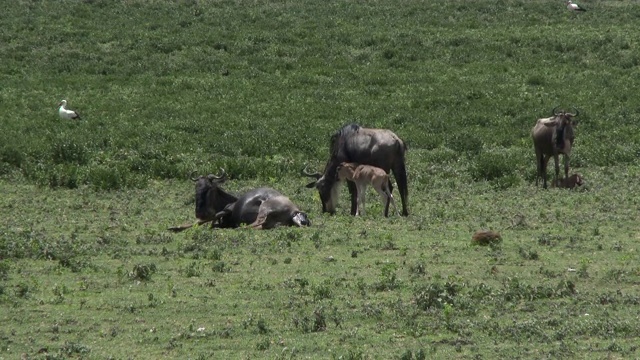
12 155
65 175
142 272
68 151
499 165
219 266
466 142
436 295
263 344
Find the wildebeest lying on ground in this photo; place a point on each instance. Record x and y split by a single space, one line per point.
363 175
551 137
262 208
571 182
376 147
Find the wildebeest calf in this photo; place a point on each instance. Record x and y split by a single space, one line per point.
571 182
363 175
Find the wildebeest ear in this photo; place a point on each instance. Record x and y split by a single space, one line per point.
311 184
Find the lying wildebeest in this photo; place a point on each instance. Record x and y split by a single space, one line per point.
376 147
551 137
262 208
571 182
363 175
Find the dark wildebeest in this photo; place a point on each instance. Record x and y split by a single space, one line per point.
262 208
551 137
376 147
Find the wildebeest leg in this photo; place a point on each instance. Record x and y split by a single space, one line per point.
539 165
353 190
400 173
556 162
565 157
543 173
221 215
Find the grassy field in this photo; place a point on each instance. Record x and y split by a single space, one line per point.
88 270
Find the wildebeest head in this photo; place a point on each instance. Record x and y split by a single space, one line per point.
564 127
352 143
327 182
327 187
210 198
301 219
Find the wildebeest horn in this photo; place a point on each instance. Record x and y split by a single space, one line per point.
193 174
553 112
316 175
576 110
218 177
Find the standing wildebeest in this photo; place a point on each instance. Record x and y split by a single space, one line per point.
551 137
363 175
262 208
376 147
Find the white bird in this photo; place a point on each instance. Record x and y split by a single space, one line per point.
574 7
67 114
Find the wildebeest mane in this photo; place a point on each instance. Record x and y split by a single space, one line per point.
339 151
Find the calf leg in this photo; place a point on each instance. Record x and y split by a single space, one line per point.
385 200
393 202
362 190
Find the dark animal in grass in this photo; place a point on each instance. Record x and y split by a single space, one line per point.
553 136
261 208
210 199
363 175
486 237
571 182
352 143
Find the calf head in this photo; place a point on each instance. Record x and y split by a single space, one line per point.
345 171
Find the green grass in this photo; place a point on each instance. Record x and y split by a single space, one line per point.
87 269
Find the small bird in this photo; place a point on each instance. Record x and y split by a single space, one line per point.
574 7
67 114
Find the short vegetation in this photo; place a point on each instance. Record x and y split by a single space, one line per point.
165 88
